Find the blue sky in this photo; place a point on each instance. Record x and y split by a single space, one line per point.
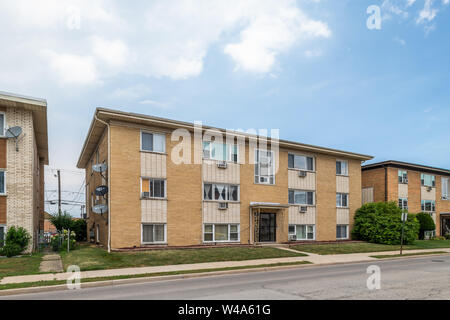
310 68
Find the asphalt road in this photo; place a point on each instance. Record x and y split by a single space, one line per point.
414 278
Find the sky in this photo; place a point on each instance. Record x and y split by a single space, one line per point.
324 72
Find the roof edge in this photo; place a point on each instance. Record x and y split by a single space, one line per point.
407 165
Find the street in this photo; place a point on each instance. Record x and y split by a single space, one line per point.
413 278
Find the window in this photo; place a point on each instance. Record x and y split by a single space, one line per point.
221 233
300 162
428 180
153 233
303 232
220 192
445 195
153 188
342 200
264 167
301 197
153 142
402 176
2 235
2 182
342 232
403 203
2 124
342 168
428 206
220 151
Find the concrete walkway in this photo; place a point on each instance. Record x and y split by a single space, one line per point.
313 258
51 263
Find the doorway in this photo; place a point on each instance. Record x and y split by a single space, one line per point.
445 224
267 227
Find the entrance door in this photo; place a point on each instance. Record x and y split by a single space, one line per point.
267 227
445 224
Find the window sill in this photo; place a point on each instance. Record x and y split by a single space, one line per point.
3 194
342 175
221 242
154 152
224 201
295 169
162 199
217 161
264 184
342 207
153 243
302 205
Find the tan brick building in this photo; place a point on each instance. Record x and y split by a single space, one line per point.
201 190
416 188
22 163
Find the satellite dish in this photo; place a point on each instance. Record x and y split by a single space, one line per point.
14 132
100 208
100 167
101 191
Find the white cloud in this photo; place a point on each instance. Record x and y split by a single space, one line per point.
428 13
86 41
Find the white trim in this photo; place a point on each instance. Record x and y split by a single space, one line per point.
341 174
403 203
302 155
223 184
5 177
153 133
153 224
259 169
158 198
347 231
229 153
348 200
301 204
306 225
3 134
229 233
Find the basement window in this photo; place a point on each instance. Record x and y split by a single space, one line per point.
303 232
153 233
341 232
221 233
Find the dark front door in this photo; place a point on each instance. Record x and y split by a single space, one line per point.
267 227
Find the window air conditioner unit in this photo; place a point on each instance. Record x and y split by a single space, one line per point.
292 237
145 194
444 197
303 209
223 206
222 164
302 174
405 181
429 189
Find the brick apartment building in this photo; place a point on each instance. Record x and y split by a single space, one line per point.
230 192
416 188
22 163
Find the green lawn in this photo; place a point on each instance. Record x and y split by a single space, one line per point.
408 255
362 247
93 258
20 266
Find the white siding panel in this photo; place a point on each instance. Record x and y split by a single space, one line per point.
154 211
301 183
428 195
153 165
343 216
295 217
212 214
402 190
211 173
342 184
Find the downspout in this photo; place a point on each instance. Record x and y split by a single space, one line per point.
385 184
109 179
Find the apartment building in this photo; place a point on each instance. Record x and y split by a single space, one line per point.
172 183
23 154
416 188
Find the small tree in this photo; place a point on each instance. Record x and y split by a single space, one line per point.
80 228
17 240
426 223
62 221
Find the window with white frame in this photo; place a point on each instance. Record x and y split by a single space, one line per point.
428 205
154 142
264 167
300 162
153 233
445 195
2 182
221 233
341 232
428 180
403 176
2 124
2 235
153 188
301 197
342 200
403 203
303 232
220 151
342 168
220 192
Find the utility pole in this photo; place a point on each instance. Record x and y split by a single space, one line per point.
59 192
82 212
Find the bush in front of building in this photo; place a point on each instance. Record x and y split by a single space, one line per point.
59 241
80 228
17 240
381 222
426 224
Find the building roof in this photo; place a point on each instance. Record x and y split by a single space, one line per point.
97 128
39 109
407 166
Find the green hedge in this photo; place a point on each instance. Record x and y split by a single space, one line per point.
382 223
426 223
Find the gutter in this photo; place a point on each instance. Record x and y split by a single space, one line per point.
109 179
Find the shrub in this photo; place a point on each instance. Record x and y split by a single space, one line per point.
11 250
426 224
80 228
381 223
59 242
18 236
62 221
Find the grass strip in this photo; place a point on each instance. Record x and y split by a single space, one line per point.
407 255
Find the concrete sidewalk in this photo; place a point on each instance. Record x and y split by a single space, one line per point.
313 258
